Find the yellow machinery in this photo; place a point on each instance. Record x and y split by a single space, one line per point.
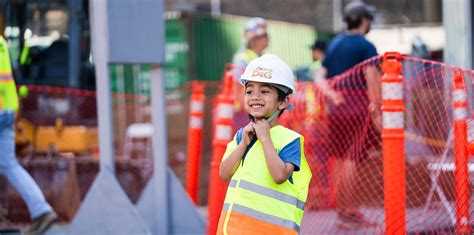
25 131
59 138
50 48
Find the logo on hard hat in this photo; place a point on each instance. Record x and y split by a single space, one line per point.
262 72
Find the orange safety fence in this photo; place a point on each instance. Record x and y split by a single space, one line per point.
76 107
332 133
343 145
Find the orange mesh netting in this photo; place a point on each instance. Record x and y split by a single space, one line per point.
332 134
345 138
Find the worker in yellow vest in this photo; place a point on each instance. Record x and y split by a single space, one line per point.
40 211
265 163
255 41
318 49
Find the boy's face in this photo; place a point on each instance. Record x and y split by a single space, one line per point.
261 100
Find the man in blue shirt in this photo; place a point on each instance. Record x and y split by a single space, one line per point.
347 118
346 50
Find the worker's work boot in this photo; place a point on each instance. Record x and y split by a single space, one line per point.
41 224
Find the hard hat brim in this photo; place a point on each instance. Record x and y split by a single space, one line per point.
285 89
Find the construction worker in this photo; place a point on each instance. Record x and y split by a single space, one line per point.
307 73
255 41
318 50
346 119
265 163
41 212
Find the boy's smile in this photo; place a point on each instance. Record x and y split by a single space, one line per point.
261 99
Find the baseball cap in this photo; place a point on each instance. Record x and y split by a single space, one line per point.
358 9
319 44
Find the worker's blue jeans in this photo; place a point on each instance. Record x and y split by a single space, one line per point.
16 175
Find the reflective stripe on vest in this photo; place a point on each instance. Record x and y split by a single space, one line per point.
313 67
269 193
240 60
246 55
253 193
5 66
5 77
8 93
262 216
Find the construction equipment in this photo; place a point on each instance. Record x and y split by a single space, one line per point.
50 47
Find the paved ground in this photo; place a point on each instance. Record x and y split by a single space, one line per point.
61 229
434 220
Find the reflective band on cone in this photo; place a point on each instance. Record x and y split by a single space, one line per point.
393 120
225 111
195 122
223 132
392 91
459 96
460 114
197 106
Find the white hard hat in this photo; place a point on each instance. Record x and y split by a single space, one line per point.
271 69
255 27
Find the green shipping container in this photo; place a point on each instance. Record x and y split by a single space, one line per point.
198 47
217 39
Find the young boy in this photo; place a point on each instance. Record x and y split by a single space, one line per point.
265 162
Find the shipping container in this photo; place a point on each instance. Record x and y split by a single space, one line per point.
199 46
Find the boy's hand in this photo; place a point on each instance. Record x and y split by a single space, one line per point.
248 133
262 129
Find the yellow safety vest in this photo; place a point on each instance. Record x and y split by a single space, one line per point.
241 59
246 55
25 54
254 203
8 93
313 68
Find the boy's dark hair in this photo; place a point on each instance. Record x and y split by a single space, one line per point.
281 97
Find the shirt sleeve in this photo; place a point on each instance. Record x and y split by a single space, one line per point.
370 51
232 145
291 153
